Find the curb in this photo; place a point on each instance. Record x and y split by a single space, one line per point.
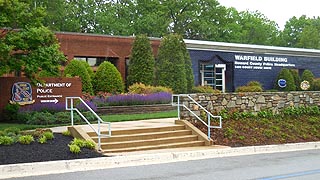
64 166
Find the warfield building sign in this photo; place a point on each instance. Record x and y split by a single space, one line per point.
53 90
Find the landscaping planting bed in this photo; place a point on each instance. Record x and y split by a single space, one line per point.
56 149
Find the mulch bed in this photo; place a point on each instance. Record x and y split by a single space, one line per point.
56 149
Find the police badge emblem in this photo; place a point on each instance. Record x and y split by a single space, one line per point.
21 93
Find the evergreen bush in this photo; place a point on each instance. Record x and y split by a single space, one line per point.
77 68
286 75
139 88
141 65
205 89
296 78
316 84
88 68
170 66
307 75
108 79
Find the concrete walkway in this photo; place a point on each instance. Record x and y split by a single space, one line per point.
125 125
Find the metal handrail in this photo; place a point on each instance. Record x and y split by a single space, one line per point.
209 115
97 131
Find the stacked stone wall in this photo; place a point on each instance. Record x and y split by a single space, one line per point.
249 102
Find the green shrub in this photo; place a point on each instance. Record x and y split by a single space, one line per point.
205 89
252 86
286 75
316 84
89 144
48 135
46 74
41 118
66 133
249 89
79 142
307 75
142 63
26 139
140 88
65 118
296 78
12 130
108 79
74 148
6 140
10 112
77 68
40 131
42 139
88 68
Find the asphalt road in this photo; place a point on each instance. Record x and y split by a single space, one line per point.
288 165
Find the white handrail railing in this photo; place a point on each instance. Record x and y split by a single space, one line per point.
97 131
209 115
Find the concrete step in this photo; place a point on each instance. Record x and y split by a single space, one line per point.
141 130
143 136
149 142
161 146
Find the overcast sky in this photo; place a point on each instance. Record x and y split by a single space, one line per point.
279 11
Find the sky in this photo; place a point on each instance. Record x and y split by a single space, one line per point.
279 11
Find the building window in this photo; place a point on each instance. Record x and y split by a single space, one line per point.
92 61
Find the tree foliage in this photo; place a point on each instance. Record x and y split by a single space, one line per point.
108 79
142 64
32 48
170 66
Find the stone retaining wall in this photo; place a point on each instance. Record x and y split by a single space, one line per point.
250 102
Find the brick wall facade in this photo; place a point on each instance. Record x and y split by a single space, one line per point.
93 45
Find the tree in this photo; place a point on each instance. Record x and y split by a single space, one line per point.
77 68
170 66
141 65
32 48
108 79
296 77
287 76
188 66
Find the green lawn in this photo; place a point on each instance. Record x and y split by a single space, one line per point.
132 117
108 118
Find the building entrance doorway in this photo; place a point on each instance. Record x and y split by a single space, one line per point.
213 75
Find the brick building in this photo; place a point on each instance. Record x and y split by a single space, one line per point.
95 49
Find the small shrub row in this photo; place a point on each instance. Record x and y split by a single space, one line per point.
76 145
205 89
252 86
289 111
12 135
140 88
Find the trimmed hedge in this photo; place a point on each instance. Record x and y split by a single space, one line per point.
108 79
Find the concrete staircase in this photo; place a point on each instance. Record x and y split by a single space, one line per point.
176 135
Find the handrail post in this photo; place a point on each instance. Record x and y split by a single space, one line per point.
209 124
71 111
178 107
99 134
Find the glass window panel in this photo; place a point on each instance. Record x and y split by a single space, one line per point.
218 76
92 61
218 81
218 70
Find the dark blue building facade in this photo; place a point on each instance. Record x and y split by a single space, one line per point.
228 70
